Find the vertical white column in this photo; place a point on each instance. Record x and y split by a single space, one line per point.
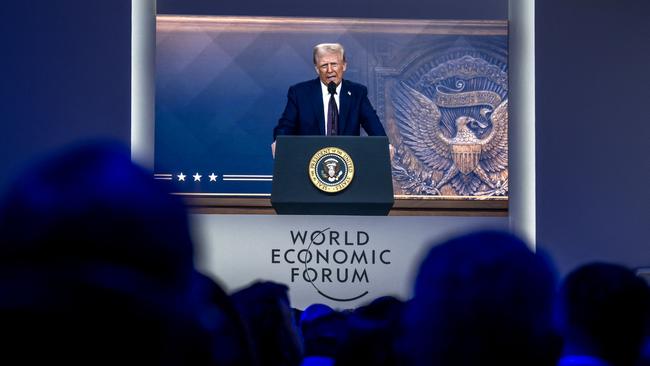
143 51
521 14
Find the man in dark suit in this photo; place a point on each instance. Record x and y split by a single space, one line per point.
328 105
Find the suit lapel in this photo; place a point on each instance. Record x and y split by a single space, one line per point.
318 107
344 99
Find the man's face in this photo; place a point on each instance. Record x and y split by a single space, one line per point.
330 67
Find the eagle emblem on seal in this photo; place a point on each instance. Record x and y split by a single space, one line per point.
469 156
331 171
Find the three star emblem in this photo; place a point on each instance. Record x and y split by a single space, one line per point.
197 177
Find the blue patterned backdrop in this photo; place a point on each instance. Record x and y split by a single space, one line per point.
221 85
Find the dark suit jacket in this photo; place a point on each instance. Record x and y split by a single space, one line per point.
304 113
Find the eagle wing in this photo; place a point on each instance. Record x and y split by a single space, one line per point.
494 154
418 119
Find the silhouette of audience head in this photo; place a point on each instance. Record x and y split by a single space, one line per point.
323 330
482 299
372 330
266 311
385 309
93 205
314 312
603 311
97 266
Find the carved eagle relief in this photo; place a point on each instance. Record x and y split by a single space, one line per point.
466 156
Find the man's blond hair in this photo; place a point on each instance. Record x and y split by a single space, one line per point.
323 48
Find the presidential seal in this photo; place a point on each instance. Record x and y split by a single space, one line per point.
331 169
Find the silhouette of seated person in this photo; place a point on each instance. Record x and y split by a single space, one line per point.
232 343
323 331
265 308
97 267
602 313
371 334
482 298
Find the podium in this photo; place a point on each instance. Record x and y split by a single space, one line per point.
311 176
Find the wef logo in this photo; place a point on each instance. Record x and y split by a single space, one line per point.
337 264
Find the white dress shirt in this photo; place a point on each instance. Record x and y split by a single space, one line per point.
326 101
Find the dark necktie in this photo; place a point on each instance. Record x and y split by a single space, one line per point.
332 114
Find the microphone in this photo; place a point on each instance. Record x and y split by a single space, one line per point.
331 87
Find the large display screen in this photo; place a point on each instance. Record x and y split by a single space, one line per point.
440 89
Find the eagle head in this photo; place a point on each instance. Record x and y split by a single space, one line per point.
463 122
465 126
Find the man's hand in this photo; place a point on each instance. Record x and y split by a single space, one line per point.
273 149
391 150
